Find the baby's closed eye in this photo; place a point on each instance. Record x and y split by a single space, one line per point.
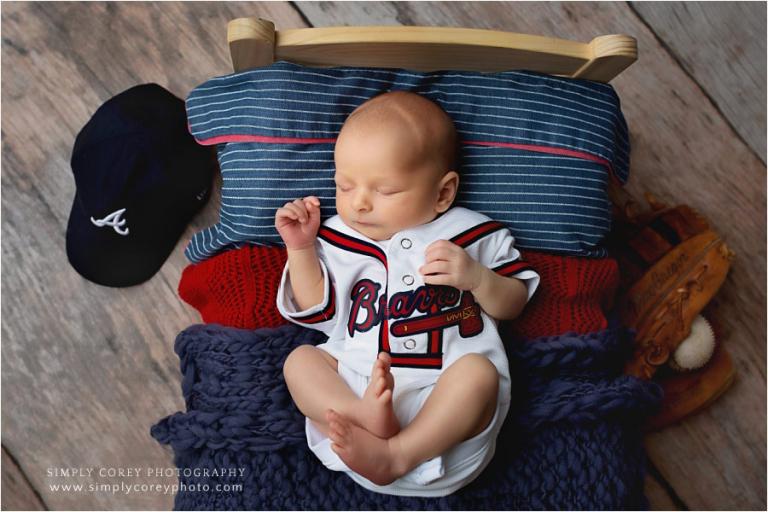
388 191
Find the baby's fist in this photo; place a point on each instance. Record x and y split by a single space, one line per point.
298 222
448 264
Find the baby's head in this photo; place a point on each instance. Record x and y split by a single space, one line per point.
395 164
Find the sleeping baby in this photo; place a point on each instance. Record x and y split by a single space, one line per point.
410 391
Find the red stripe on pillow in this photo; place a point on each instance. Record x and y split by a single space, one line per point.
221 139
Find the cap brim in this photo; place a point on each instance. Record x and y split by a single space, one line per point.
102 255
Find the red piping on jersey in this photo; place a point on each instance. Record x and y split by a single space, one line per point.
433 362
511 268
384 332
475 233
351 243
326 314
435 337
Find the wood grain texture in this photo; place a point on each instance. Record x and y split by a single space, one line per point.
17 494
709 40
255 43
86 370
657 496
684 151
251 43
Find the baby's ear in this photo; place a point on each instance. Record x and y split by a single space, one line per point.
448 187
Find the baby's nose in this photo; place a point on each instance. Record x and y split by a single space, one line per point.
361 202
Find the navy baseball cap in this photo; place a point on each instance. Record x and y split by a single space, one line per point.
140 178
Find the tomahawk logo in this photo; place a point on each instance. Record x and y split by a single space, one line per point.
115 220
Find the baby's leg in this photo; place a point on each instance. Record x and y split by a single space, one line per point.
461 406
315 386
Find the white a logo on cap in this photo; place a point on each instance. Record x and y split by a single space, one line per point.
114 219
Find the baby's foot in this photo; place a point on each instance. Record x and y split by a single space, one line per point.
375 458
376 414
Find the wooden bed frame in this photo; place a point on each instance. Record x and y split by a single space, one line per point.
254 42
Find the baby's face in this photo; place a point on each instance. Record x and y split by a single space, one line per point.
383 183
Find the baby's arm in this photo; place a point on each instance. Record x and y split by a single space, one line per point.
298 222
501 297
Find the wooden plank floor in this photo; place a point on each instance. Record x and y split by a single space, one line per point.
86 370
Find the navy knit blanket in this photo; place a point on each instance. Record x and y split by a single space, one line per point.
572 439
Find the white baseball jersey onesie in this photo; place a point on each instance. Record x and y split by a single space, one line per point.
375 300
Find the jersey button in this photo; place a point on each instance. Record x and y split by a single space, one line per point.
410 344
406 243
408 279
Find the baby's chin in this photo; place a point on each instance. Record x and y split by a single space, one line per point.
379 232
374 231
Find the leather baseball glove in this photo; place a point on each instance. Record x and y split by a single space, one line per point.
672 263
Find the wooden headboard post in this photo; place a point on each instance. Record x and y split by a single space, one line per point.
251 42
610 56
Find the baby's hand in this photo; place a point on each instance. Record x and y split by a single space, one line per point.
449 264
298 222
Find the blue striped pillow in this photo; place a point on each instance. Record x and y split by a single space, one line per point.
537 151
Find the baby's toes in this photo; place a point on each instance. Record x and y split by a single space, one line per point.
339 450
385 360
379 385
334 419
337 432
342 422
335 436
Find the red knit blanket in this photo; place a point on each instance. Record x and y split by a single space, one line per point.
237 288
